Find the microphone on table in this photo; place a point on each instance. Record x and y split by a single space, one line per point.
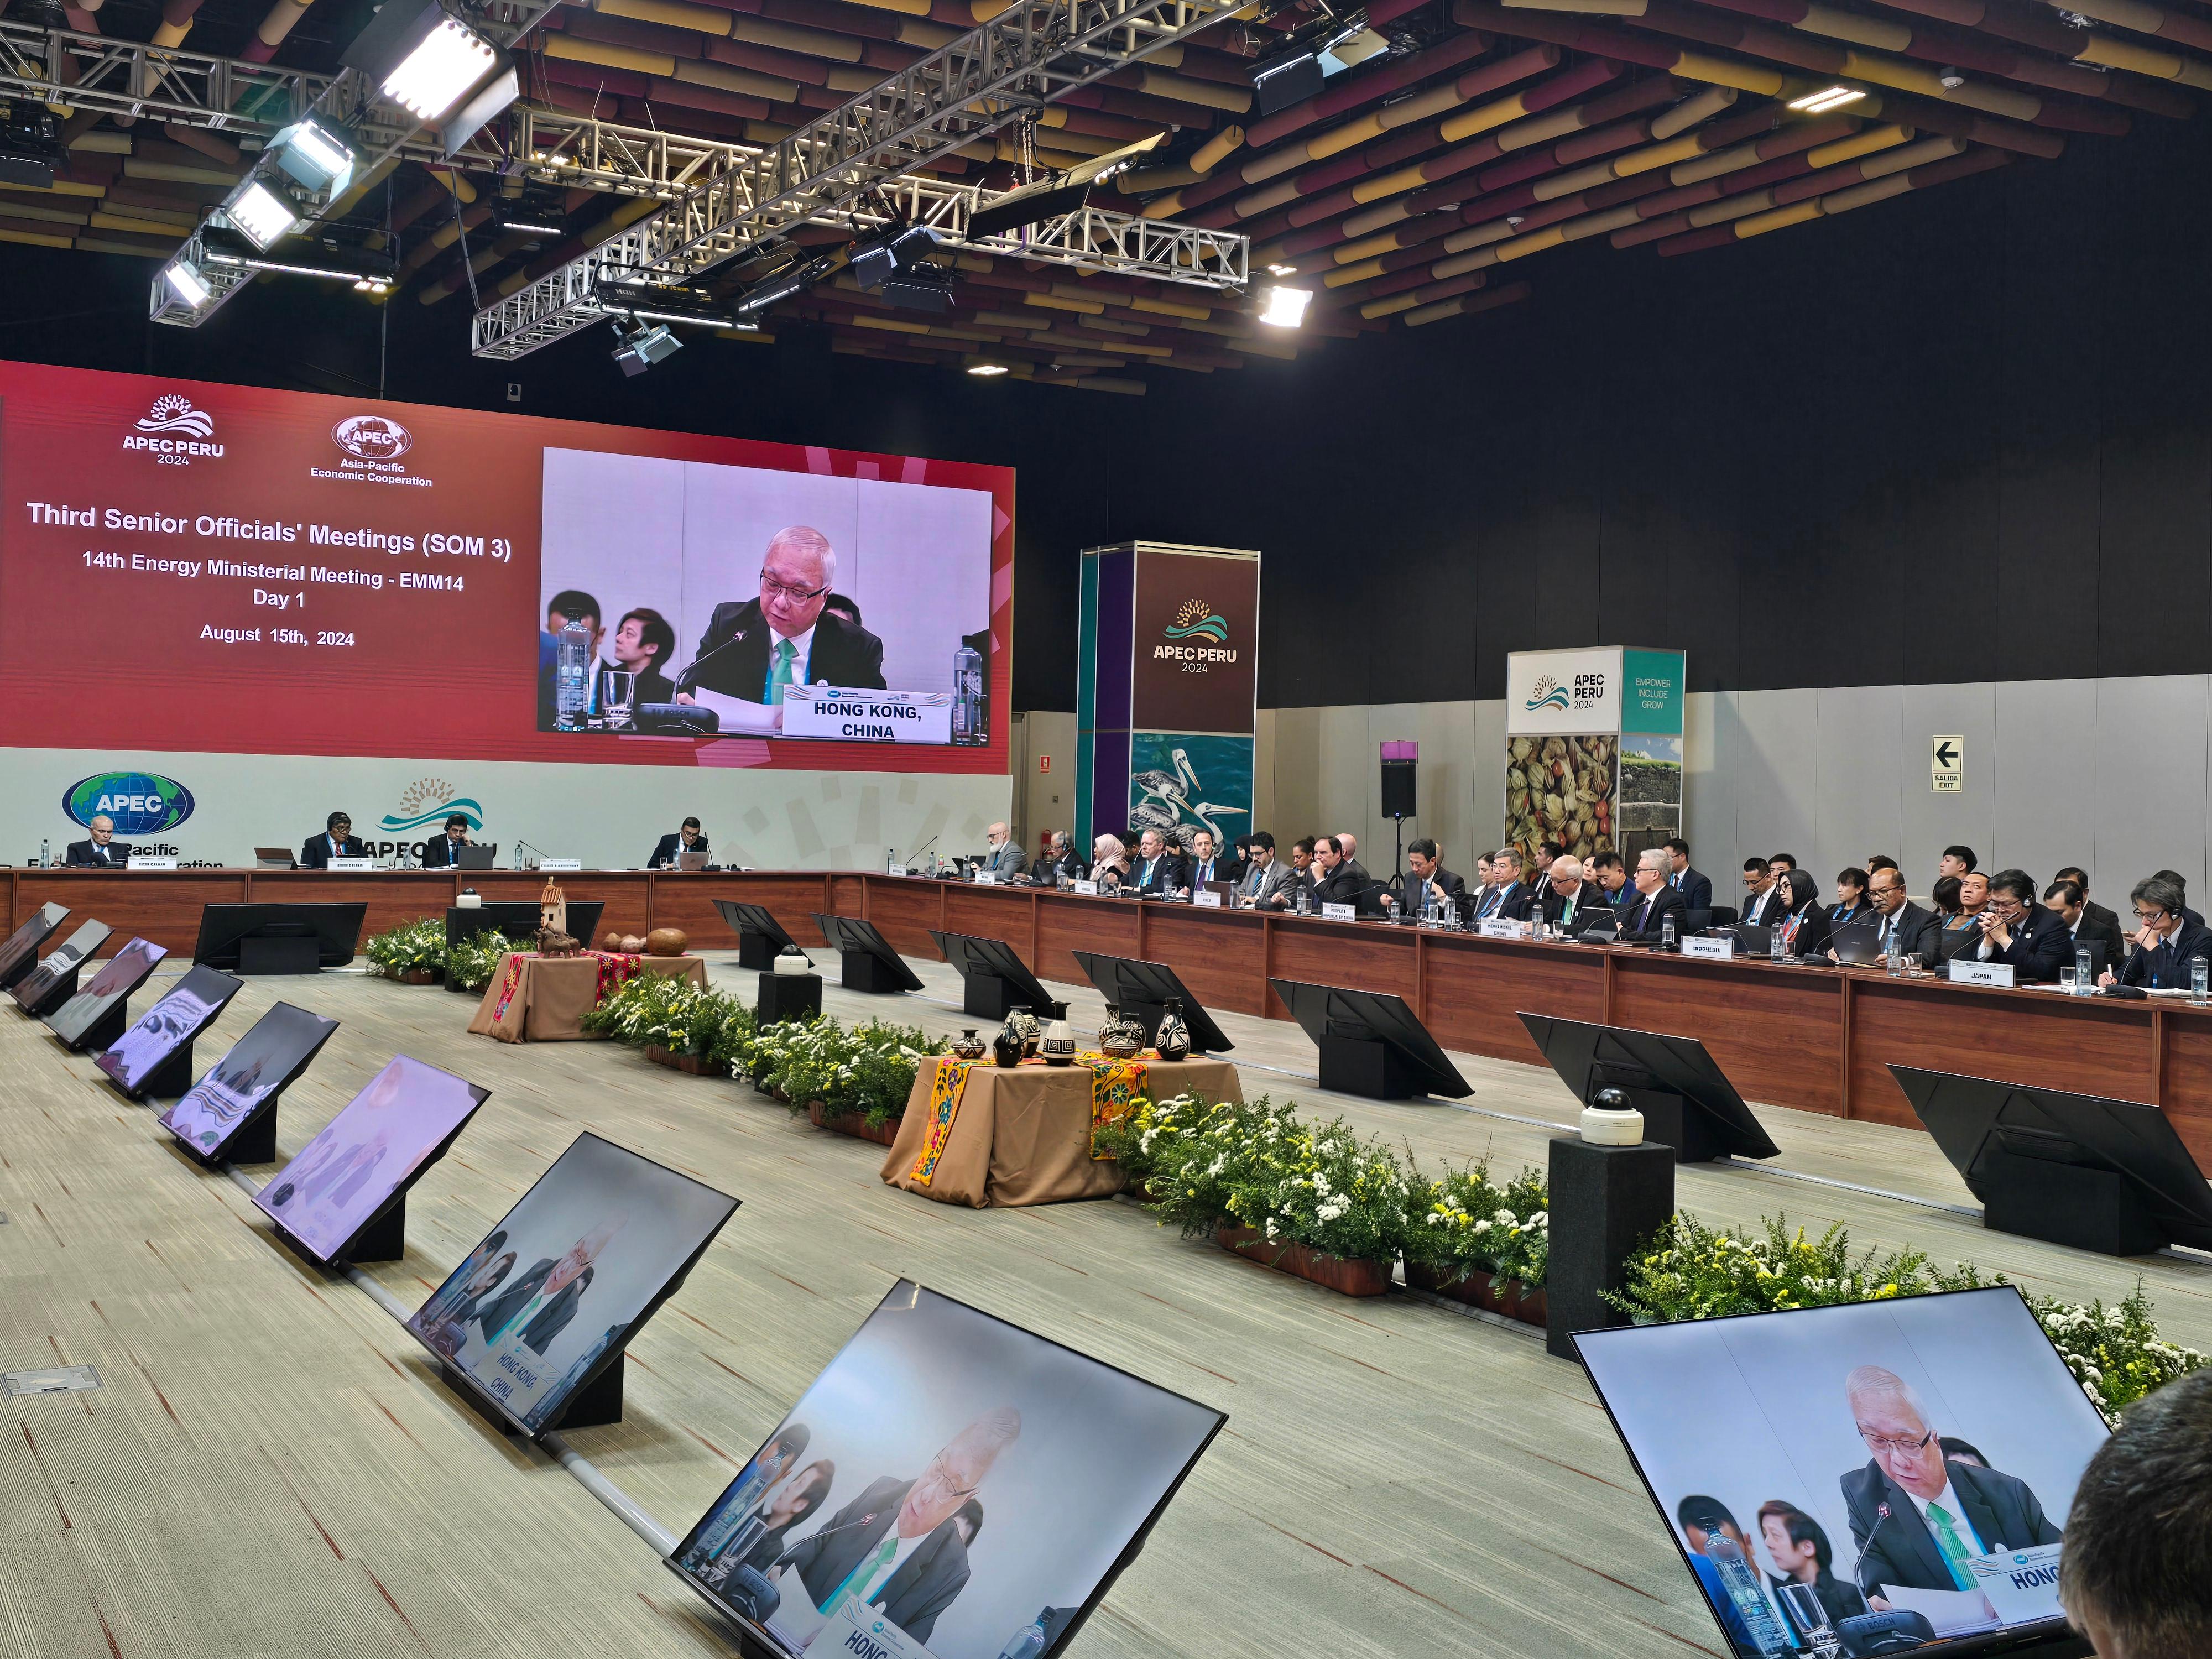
522 847
908 860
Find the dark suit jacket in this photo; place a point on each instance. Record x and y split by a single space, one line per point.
1766 909
1514 903
316 854
1342 885
1899 1550
2094 931
912 1597
550 1320
437 851
2166 968
1553 904
2040 946
1454 886
1914 930
732 657
1664 903
1695 887
1224 867
1812 936
665 849
1046 871
83 855
2104 914
1170 874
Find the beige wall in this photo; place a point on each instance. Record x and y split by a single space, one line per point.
1043 799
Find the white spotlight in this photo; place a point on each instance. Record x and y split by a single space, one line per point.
261 213
1285 308
187 285
435 76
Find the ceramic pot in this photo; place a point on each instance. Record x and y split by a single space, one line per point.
1010 1045
969 1047
1120 1038
1172 1039
1057 1045
1031 1027
791 960
665 942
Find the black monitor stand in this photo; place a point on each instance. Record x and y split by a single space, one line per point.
2063 1203
278 956
57 994
168 1080
107 1030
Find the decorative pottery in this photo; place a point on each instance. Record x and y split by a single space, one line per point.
1120 1038
611 941
792 960
1031 1027
1009 1046
1172 1039
552 908
631 945
969 1046
665 942
1058 1043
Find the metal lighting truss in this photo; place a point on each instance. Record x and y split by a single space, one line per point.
1032 54
130 78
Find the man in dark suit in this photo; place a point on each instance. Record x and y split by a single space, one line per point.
1695 887
1337 879
1916 1516
897 1546
1903 926
2166 941
102 851
643 643
2096 912
1764 901
1606 870
562 1282
1568 901
756 649
1644 917
442 852
337 840
2066 901
689 838
1005 858
1427 879
1347 852
1159 870
1511 899
1060 859
1206 863
2016 929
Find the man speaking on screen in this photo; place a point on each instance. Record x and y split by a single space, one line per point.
897 1546
1917 1515
755 649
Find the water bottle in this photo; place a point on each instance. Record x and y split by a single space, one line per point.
967 695
2084 977
572 673
1026 1643
1893 958
1666 933
1776 949
2200 971
891 857
1740 1581
45 853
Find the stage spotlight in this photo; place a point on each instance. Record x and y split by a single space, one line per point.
1312 55
1283 307
261 214
1056 192
422 59
319 161
641 348
185 283
923 288
876 261
987 370
30 143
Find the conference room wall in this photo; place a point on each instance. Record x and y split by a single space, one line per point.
608 816
2115 774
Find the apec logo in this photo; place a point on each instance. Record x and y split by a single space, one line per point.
427 803
174 432
372 437
1195 620
140 803
1548 693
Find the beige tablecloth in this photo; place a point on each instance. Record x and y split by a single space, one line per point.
554 994
1023 1134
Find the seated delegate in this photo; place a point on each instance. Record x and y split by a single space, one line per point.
337 840
688 838
2166 941
101 851
442 852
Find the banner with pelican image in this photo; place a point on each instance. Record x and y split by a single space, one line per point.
1190 781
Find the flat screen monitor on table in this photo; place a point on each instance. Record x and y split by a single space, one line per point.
756 921
952 1486
518 920
21 947
237 1088
545 1302
994 957
343 1182
37 988
1132 982
227 929
1334 1014
119 976
1799 1462
1588 1057
189 1008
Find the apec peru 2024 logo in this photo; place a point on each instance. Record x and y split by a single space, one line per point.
174 432
139 803
1196 621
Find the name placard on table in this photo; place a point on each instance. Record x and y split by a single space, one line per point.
895 870
985 879
1501 927
350 863
1718 949
147 861
1090 887
560 864
1964 972
1339 912
822 711
1205 900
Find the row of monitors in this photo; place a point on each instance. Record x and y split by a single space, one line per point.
862 1514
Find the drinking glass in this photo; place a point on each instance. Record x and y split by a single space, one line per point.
621 694
2066 979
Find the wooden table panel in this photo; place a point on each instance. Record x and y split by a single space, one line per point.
1066 925
160 905
686 899
625 893
904 908
1476 990
1347 953
1776 1031
998 913
394 898
2090 1045
2187 1036
1214 954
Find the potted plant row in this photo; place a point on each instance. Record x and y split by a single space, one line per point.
852 1080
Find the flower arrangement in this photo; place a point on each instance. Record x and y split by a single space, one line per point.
1689 1271
663 1010
868 1069
470 963
411 947
1461 1223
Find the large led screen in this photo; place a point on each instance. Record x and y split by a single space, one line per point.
189 1009
548 1299
273 1050
119 976
1896 1470
381 578
367 1156
951 1486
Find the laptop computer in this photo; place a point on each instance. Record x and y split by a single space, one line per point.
1750 939
689 859
1857 942
274 858
474 858
1603 926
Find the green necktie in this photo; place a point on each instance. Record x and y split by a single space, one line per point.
779 677
857 1580
1954 1551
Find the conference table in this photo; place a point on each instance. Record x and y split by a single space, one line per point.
1817 1038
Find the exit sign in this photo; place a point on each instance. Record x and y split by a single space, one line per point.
1044 763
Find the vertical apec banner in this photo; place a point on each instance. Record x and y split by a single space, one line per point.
1594 749
1167 689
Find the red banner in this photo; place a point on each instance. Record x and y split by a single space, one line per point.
192 566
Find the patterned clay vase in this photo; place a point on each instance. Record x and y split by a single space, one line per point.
1058 1043
1172 1039
1120 1038
1031 1027
969 1046
1010 1045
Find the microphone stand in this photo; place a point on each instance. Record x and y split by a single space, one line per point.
521 847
